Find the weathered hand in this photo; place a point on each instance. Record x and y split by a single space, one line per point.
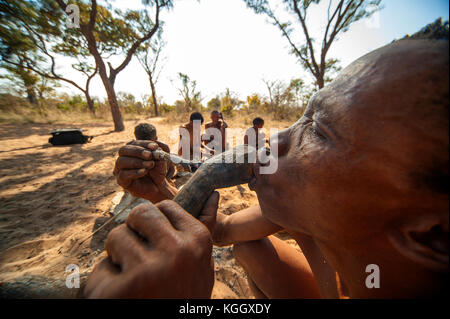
161 252
216 222
137 173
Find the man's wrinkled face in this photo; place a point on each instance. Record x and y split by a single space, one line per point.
319 170
348 161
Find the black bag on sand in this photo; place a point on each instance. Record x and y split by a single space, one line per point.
68 136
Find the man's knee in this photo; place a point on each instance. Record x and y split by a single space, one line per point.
248 249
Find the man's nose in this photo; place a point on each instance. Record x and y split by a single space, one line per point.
281 141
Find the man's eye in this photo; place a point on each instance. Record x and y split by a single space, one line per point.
316 130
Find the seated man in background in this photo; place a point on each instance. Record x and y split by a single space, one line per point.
190 145
254 136
215 133
147 132
361 185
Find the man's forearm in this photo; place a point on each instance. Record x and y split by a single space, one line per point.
247 225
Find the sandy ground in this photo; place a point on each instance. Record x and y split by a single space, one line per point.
53 197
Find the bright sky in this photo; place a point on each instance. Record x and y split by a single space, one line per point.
222 44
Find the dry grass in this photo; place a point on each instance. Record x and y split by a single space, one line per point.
67 110
50 115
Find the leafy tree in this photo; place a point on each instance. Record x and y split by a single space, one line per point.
149 57
295 89
340 16
253 104
188 91
128 103
28 81
229 102
46 87
213 104
284 98
32 34
165 108
121 33
16 18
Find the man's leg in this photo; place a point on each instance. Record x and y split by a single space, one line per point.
276 269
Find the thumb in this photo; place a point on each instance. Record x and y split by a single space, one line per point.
209 212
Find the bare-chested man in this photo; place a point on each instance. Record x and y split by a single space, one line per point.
193 128
254 136
218 123
362 180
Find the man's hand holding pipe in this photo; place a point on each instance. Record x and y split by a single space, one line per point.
160 252
138 173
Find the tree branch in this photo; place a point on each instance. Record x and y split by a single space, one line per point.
90 77
287 36
324 42
308 38
136 45
43 74
93 15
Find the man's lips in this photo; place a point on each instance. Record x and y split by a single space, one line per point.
256 169
252 183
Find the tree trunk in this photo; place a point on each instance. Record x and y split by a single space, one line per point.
90 102
31 96
107 83
115 111
320 81
152 86
112 98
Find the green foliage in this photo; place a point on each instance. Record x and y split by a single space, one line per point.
71 103
166 108
33 34
128 103
229 102
226 107
213 104
253 102
284 99
44 30
25 27
191 97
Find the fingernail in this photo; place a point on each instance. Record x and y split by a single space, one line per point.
142 171
152 146
148 164
146 154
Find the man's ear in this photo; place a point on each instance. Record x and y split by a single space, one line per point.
424 241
